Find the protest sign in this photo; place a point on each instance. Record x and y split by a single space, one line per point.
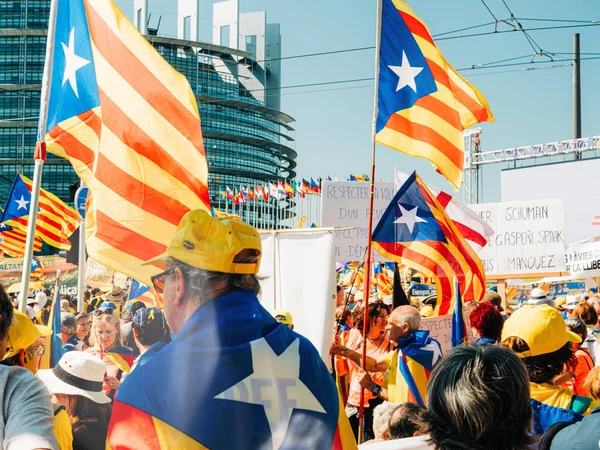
101 277
529 237
583 259
440 329
345 204
297 273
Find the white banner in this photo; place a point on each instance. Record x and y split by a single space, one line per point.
298 274
529 237
101 277
346 204
583 259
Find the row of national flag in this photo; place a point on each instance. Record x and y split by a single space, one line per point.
277 190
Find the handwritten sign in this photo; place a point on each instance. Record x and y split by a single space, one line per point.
583 259
529 237
440 329
346 204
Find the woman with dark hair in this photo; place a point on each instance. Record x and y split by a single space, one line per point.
471 395
486 323
539 336
377 345
76 384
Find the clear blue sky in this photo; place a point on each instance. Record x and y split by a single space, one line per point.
333 127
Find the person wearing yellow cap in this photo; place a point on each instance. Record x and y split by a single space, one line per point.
233 377
539 336
284 317
26 417
26 347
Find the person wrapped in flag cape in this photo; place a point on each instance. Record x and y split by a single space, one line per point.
408 367
233 378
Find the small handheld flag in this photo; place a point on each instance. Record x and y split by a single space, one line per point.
458 320
416 231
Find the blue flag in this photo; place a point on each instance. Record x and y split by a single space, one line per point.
458 321
18 202
137 289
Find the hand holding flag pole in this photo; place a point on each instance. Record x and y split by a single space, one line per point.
39 157
367 288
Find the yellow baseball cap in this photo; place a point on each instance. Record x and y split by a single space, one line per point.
23 333
212 243
283 316
542 327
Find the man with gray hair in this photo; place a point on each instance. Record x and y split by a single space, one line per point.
408 366
233 377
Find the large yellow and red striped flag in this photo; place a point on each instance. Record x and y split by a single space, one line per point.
424 105
56 221
129 124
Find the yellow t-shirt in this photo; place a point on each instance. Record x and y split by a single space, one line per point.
62 428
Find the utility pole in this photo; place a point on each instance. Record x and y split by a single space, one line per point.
576 92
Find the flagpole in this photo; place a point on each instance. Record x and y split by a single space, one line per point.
366 290
39 157
81 259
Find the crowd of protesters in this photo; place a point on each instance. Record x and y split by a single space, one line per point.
527 378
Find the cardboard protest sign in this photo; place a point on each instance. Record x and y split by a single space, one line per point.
529 237
346 204
583 259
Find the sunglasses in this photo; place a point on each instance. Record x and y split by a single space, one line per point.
101 312
158 281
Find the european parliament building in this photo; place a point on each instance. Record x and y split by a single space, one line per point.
236 80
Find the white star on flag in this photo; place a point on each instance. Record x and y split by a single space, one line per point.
406 73
276 386
409 217
437 353
22 203
72 63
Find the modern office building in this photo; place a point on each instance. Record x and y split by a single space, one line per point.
247 139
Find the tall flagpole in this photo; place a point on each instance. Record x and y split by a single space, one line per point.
39 157
366 289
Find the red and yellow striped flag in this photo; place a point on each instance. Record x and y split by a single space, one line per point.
56 221
424 105
12 241
129 124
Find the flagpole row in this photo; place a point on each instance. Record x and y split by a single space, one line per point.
33 210
367 290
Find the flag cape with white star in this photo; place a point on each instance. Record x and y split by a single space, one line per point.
410 368
12 241
233 378
416 231
56 221
424 105
128 122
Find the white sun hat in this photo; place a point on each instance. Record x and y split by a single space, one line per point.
77 373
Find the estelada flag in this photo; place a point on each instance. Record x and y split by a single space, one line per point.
12 241
415 231
424 105
56 221
128 122
162 404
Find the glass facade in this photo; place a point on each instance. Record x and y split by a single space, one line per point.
245 142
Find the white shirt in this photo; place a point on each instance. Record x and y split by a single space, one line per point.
412 443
